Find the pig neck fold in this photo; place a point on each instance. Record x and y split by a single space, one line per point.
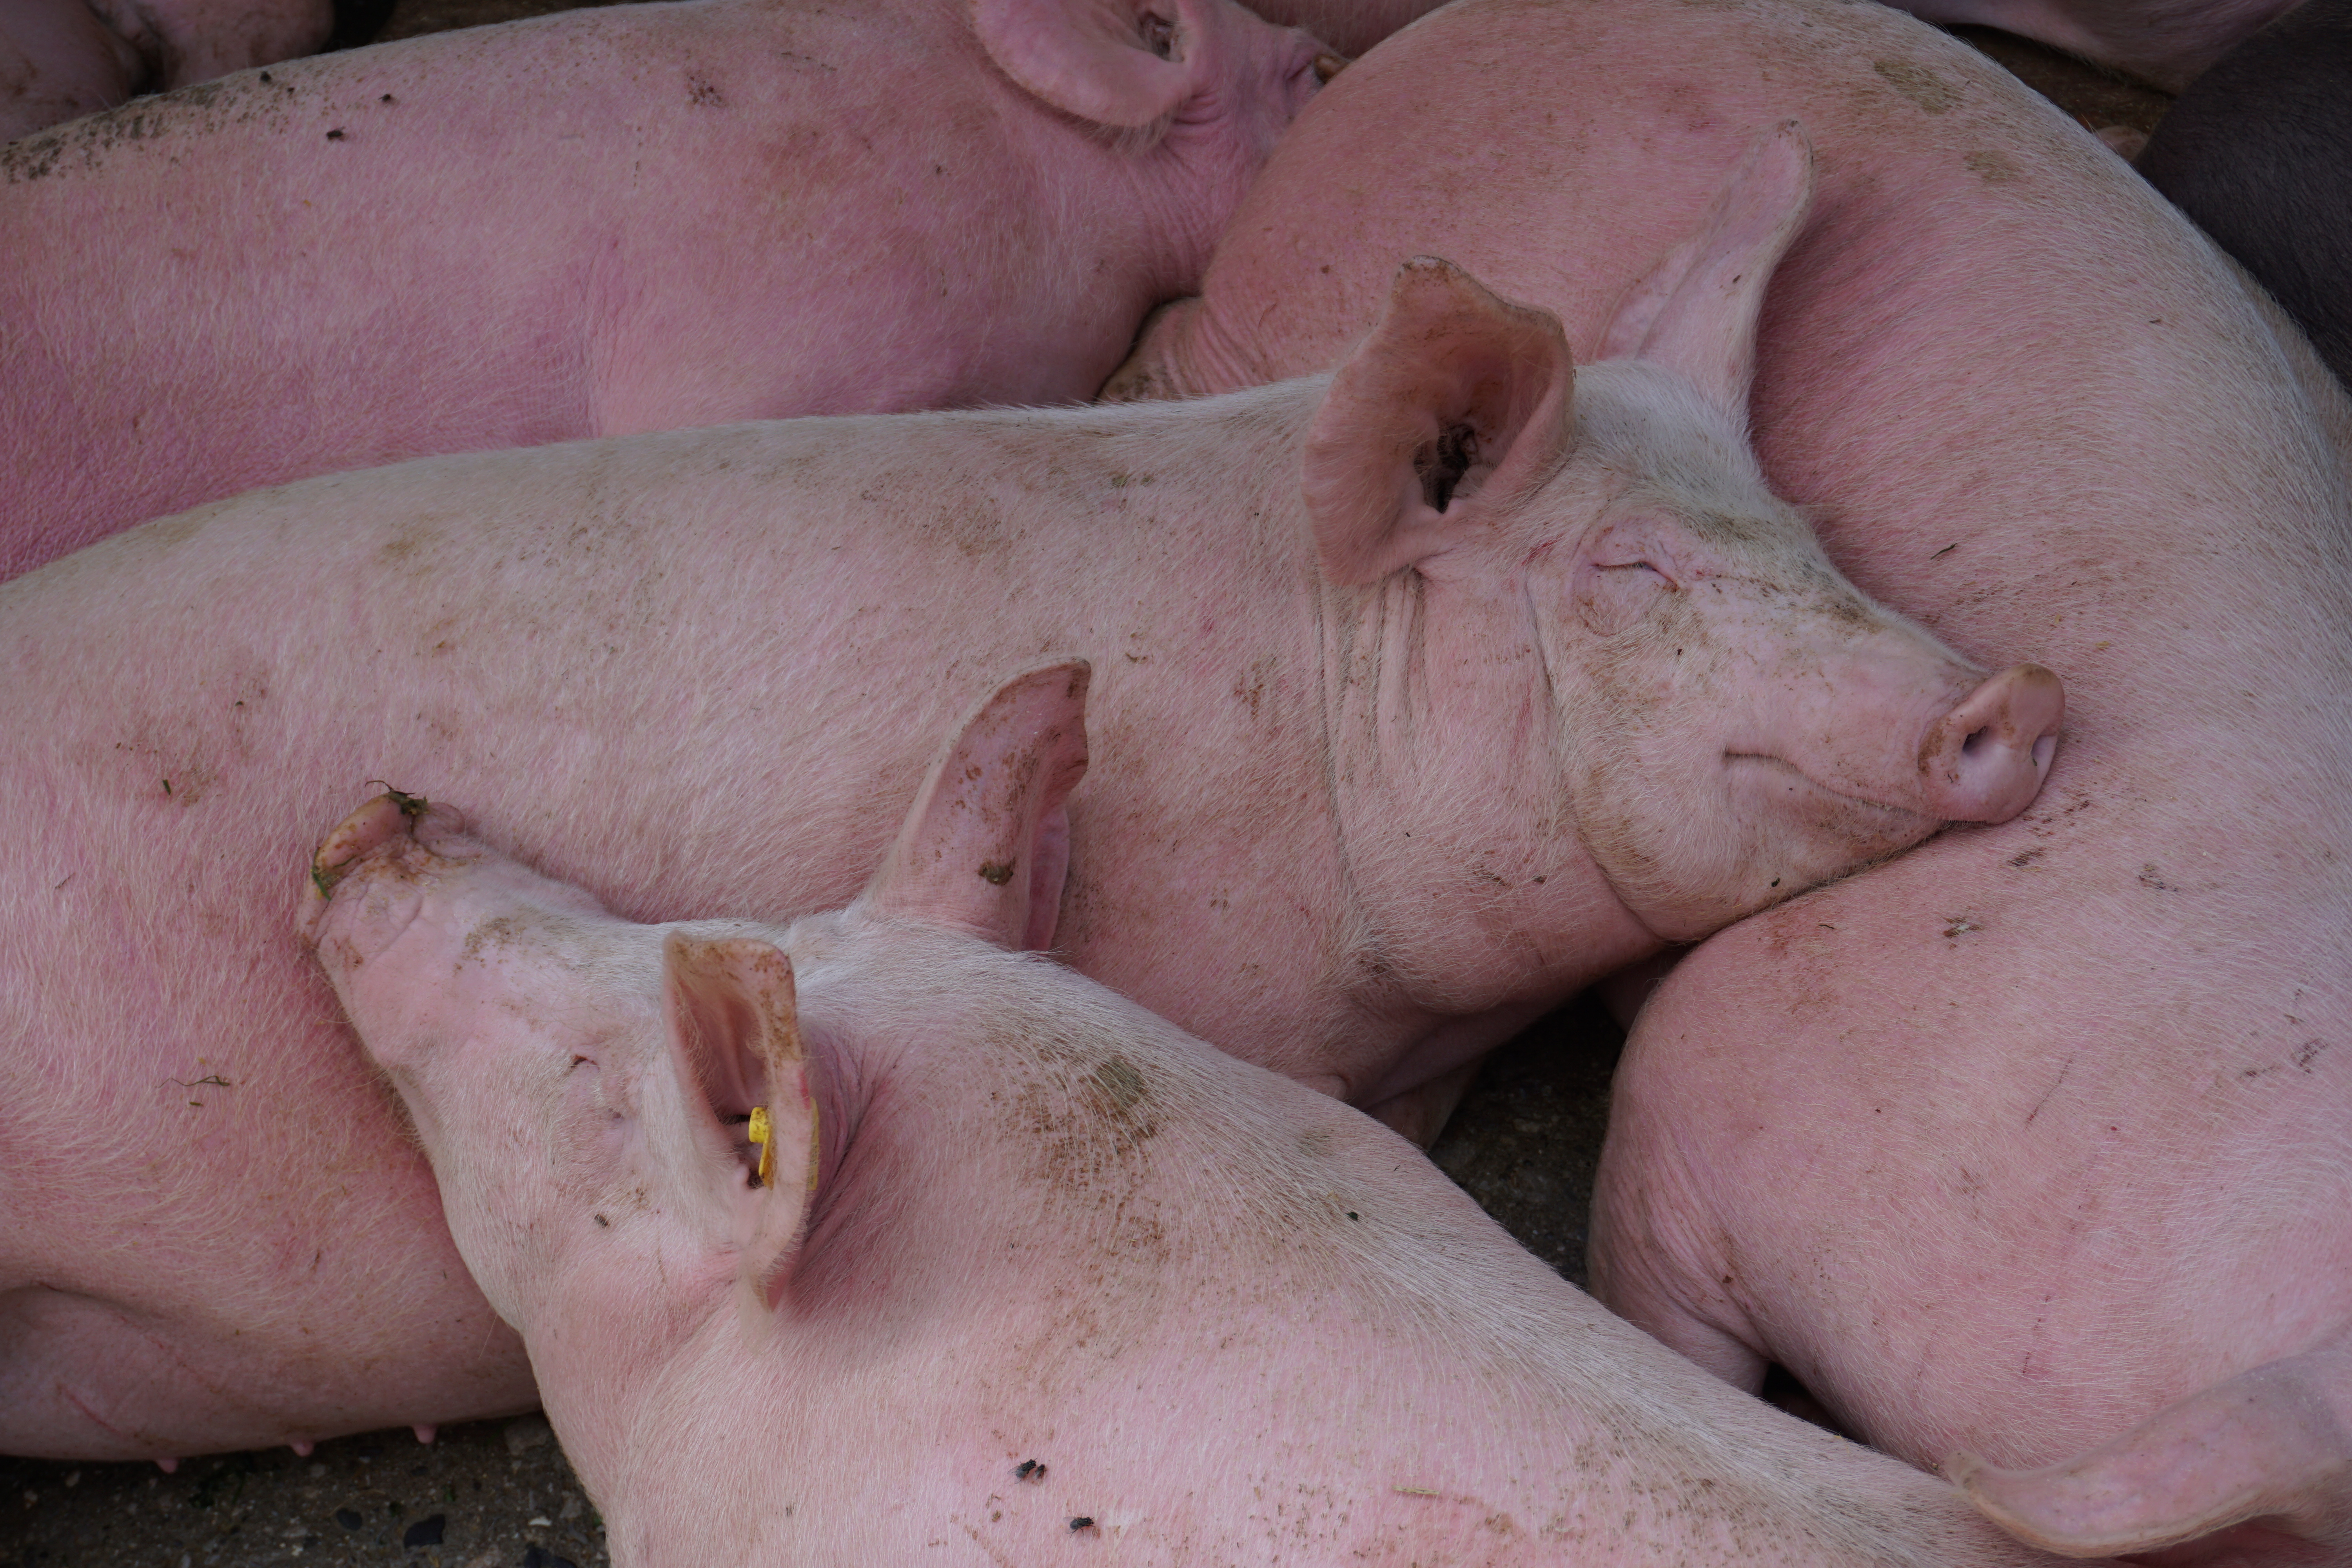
1440 887
1451 903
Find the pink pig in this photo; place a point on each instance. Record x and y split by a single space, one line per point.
1430 691
863 1240
636 218
2014 1143
60 59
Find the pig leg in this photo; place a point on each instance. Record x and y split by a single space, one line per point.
1681 1290
1421 1114
1154 368
2252 1463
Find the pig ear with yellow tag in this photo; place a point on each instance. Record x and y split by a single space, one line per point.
747 1092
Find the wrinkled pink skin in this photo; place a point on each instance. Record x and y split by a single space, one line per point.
637 218
1336 828
60 59
1013 1220
2009 1143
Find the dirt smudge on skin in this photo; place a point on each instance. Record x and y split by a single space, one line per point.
1124 1085
497 932
1993 169
1918 83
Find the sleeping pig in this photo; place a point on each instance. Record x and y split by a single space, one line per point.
863 1240
1429 691
1950 1139
627 219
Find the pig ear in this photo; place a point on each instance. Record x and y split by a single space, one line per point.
1121 63
988 844
1696 311
734 1032
1456 405
2269 1447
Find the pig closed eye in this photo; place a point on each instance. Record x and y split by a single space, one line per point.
1613 597
1440 464
1159 35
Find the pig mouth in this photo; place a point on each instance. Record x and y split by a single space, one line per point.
1780 770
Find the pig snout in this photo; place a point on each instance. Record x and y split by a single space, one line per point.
1985 760
379 839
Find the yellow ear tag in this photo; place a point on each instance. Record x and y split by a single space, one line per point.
764 1136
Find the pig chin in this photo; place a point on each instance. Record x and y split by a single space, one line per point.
1776 832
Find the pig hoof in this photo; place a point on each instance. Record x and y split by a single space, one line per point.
1328 66
360 834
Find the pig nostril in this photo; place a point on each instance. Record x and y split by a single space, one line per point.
1975 737
2044 750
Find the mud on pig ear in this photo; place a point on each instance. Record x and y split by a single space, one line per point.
1118 63
1456 403
1696 311
987 847
735 1044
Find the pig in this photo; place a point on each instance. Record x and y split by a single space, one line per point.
2259 153
861 1238
2009 1145
1431 690
606 222
60 59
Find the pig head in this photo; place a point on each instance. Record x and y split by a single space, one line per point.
562 1068
1576 589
